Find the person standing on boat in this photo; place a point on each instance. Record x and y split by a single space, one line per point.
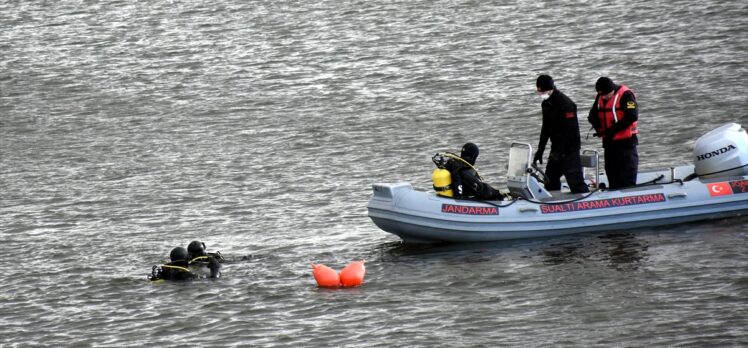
466 182
614 116
560 125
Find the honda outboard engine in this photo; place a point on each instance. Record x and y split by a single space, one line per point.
723 152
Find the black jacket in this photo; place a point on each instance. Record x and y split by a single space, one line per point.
560 124
467 184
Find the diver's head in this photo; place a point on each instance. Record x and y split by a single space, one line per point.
196 248
178 254
469 153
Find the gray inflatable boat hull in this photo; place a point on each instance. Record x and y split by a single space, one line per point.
424 217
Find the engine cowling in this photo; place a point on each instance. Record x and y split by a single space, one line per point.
722 152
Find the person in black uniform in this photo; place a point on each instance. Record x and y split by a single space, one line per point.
560 125
466 182
198 257
614 116
177 269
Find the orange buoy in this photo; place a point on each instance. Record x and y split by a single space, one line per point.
353 274
326 277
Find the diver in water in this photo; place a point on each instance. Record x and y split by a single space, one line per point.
177 269
186 264
198 257
197 251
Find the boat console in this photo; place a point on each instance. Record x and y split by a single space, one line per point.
521 178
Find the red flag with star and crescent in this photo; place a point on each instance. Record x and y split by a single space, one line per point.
719 189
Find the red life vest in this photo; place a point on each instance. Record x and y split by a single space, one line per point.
612 112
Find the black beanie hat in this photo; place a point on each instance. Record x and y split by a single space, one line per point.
469 152
604 85
545 83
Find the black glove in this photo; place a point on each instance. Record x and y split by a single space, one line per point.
215 268
155 273
538 157
217 255
496 195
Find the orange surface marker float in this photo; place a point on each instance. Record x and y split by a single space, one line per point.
326 277
351 275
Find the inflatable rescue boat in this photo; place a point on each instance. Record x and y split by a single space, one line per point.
715 186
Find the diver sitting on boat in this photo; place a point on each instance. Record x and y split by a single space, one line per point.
458 178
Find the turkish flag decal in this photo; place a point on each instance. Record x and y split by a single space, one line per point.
719 189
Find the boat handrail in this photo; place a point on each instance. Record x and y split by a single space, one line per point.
591 159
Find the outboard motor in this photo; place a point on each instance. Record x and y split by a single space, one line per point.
723 152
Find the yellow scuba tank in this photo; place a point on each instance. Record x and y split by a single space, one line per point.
442 182
441 177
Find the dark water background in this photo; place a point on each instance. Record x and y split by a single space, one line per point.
131 127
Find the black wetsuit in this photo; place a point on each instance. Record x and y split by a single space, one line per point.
467 184
560 125
177 270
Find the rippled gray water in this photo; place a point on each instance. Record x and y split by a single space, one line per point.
128 128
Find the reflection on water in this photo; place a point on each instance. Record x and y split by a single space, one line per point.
625 250
398 251
622 251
